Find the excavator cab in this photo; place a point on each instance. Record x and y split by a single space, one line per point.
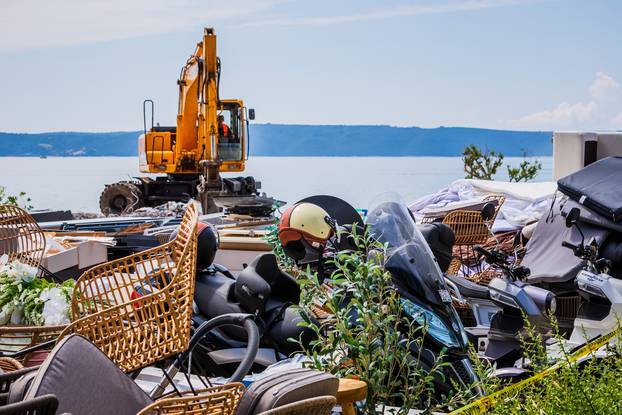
160 151
232 133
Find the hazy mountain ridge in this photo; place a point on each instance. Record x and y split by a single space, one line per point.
300 140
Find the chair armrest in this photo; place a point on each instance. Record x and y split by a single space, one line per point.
7 378
113 282
44 405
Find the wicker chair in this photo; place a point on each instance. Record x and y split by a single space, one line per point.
138 331
21 238
220 400
321 405
8 364
470 230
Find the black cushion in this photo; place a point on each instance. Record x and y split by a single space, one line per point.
597 186
441 240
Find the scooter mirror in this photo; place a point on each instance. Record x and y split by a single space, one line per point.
488 211
572 217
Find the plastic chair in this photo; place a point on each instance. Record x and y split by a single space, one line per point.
60 383
136 331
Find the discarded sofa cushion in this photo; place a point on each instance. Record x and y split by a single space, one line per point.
284 387
84 380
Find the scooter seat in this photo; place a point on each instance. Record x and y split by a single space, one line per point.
468 288
214 297
282 285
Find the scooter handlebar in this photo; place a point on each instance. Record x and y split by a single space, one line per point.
492 256
568 245
236 319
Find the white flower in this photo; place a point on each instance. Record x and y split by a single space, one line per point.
17 317
21 272
56 307
5 313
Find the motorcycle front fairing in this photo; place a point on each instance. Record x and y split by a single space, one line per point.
416 274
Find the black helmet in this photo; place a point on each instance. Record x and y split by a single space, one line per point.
207 244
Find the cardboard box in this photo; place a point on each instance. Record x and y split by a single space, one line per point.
61 260
91 253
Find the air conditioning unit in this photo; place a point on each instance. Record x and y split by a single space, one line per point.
574 150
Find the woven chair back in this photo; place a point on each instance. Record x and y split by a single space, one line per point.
137 309
21 238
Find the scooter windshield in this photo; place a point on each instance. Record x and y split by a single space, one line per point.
409 258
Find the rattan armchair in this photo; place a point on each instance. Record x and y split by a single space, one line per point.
321 405
470 230
138 330
220 400
21 238
8 364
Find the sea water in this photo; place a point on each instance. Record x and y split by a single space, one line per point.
75 183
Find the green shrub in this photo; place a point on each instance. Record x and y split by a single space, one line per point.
592 387
483 165
525 171
20 200
480 164
367 335
272 238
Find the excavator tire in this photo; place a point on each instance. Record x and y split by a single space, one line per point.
121 197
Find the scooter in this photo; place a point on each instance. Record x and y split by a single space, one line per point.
501 308
424 292
262 290
518 301
601 294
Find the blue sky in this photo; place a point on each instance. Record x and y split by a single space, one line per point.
86 65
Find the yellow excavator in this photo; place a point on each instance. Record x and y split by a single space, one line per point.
211 137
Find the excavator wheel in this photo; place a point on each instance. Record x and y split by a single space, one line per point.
119 198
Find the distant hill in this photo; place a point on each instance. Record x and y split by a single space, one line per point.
300 140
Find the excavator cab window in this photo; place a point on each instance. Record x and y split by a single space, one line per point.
230 133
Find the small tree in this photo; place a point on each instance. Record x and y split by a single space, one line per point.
367 335
480 164
20 200
525 171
